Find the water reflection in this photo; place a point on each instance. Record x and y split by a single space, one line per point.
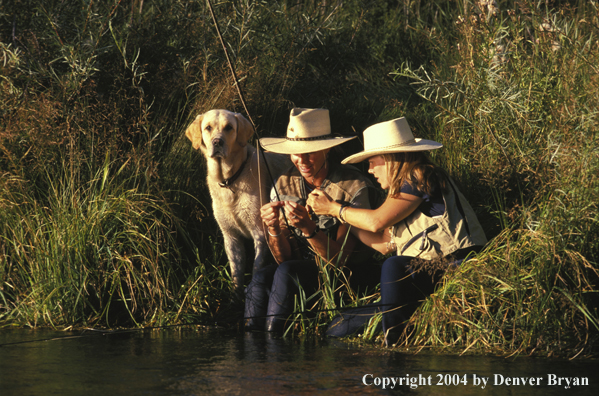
201 362
261 363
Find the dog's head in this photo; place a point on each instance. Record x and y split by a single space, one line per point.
217 133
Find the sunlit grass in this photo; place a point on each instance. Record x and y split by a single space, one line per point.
516 118
104 214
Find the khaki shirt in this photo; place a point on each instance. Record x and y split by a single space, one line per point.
344 183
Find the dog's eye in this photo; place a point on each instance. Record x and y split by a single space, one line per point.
208 128
228 127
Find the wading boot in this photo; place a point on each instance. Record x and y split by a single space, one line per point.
275 324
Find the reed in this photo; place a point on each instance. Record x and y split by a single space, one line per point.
93 252
313 313
104 215
517 124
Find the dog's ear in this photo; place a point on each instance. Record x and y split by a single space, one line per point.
245 130
194 133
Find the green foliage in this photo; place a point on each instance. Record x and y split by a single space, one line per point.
518 108
509 88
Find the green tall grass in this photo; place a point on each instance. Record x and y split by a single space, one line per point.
103 203
518 105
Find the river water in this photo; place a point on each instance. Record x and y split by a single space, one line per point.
217 362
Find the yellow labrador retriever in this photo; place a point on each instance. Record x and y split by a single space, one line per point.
236 190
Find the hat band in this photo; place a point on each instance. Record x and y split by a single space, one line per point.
322 137
406 143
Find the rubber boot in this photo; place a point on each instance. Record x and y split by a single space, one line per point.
275 324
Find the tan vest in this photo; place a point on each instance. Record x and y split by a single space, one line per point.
430 237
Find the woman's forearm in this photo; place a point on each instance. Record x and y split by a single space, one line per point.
378 220
393 210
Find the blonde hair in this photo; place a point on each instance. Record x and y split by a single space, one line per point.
415 168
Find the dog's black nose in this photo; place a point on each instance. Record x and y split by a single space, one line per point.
217 142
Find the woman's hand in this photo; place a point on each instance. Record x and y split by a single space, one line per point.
322 204
298 217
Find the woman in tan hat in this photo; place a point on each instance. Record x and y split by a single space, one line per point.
424 217
296 237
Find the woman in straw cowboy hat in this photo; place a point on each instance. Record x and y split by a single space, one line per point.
424 217
296 237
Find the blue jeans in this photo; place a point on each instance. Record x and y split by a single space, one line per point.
403 290
270 296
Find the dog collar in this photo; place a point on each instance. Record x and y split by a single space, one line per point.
227 182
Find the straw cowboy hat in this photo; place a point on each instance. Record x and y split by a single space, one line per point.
309 130
387 137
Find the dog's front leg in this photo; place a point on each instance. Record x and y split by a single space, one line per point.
236 254
261 250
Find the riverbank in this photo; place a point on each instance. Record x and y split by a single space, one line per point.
104 215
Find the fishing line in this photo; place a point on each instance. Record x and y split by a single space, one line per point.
340 309
258 145
99 332
242 98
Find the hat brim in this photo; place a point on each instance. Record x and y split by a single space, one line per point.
419 145
285 146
